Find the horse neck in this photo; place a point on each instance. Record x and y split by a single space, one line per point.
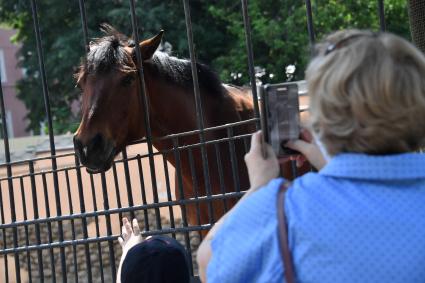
171 110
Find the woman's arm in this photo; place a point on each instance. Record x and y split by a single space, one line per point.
260 172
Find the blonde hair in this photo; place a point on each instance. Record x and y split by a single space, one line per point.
367 93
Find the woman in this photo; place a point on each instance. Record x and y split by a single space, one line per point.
361 218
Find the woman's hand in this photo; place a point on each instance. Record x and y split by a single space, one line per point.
308 149
130 236
260 170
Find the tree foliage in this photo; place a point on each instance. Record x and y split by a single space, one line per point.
279 35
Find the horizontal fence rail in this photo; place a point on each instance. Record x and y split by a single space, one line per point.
59 223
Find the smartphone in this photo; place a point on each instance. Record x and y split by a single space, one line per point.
280 116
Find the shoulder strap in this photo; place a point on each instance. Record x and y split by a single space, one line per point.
283 235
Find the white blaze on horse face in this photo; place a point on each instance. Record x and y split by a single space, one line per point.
93 107
91 112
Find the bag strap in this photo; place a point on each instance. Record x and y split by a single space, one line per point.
288 267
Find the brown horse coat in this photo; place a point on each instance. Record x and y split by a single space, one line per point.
112 117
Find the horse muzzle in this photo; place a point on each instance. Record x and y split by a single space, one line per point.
97 154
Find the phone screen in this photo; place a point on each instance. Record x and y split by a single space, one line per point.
280 116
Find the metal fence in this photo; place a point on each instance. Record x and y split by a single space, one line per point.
54 227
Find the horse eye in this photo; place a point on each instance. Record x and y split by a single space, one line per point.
127 80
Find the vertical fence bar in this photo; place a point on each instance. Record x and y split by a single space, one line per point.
9 181
250 53
83 220
143 191
198 105
51 136
221 176
6 272
128 182
195 185
182 197
49 226
82 8
96 220
27 243
108 226
36 216
84 24
233 161
310 25
117 190
245 143
144 101
71 211
381 13
169 198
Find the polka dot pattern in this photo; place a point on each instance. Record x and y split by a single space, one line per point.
360 219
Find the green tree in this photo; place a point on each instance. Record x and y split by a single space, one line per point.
279 34
279 30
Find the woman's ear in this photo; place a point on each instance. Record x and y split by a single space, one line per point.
149 46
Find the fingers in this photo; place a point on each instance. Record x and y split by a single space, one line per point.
300 160
126 230
256 142
306 135
127 226
298 145
136 229
256 150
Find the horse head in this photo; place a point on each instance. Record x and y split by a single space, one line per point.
111 106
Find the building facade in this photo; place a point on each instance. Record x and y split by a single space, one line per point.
10 74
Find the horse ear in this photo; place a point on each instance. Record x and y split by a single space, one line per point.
149 46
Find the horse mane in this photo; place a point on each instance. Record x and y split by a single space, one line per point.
179 72
107 53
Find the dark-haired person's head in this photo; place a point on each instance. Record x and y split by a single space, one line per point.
157 259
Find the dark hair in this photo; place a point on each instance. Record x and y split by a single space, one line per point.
157 259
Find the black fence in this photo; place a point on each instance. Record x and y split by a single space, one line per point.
58 223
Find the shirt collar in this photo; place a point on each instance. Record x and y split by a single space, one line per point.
376 167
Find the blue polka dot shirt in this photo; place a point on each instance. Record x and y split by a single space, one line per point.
360 219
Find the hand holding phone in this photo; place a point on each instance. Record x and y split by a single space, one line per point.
280 116
309 150
260 170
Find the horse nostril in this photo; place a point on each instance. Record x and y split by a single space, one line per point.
97 141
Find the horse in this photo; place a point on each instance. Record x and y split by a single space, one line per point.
112 117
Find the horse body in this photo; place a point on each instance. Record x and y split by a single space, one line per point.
176 114
112 117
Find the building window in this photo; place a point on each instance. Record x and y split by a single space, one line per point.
2 67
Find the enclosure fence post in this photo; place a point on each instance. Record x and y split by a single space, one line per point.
250 53
2 218
381 13
144 100
84 219
84 24
9 181
108 227
198 105
51 136
36 216
310 25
